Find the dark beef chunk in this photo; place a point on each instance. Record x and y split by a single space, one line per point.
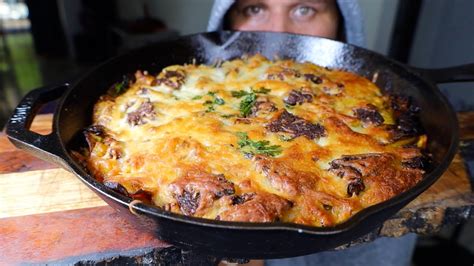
227 186
369 115
117 187
286 72
419 162
381 171
403 104
299 97
97 130
313 78
146 110
198 190
296 126
188 201
406 114
355 186
279 76
353 168
94 134
170 78
345 172
239 199
263 105
408 125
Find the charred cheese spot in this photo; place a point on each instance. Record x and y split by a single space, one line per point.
255 140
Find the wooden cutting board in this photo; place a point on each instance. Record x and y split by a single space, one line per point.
48 215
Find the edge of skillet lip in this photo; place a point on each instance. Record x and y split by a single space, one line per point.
349 224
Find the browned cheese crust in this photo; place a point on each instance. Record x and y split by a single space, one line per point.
255 140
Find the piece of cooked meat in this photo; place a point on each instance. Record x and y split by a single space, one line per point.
261 207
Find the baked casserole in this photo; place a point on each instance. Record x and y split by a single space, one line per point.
255 140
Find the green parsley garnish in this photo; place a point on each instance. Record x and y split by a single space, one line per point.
242 93
122 86
218 101
248 100
210 103
247 103
262 90
248 146
197 97
239 94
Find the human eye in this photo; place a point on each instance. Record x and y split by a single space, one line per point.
303 11
253 10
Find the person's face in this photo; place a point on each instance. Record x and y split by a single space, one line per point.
311 17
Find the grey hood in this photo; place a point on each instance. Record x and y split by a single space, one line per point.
350 11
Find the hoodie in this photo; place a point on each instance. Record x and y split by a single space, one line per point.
350 11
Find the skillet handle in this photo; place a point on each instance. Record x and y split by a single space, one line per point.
462 73
47 147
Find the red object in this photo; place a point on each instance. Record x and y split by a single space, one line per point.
62 237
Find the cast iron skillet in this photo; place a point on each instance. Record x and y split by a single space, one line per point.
233 239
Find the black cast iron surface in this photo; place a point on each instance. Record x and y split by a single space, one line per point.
231 239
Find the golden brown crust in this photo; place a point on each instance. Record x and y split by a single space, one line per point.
283 178
256 140
262 207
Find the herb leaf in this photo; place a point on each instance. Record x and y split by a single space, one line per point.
242 93
247 103
218 101
262 90
248 146
249 100
122 86
210 103
239 94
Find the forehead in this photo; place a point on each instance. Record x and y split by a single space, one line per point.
284 2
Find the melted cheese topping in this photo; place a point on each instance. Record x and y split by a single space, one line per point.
253 140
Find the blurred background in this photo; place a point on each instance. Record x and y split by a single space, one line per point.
50 41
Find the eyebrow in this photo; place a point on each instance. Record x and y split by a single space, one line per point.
315 1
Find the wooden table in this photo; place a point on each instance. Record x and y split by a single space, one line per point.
48 215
